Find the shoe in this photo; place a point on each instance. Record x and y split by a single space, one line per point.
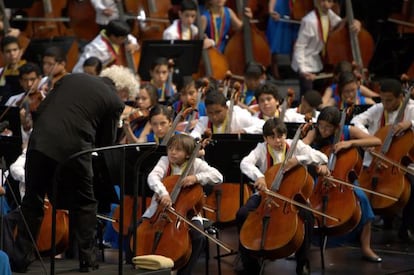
372 259
87 267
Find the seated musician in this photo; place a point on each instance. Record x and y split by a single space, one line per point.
347 93
190 97
380 115
136 122
254 75
159 72
327 125
92 65
268 99
310 45
107 45
9 73
54 66
217 119
266 154
309 103
332 91
179 149
160 120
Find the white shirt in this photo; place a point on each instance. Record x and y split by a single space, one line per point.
370 121
99 6
204 173
18 173
100 49
172 32
292 115
309 45
241 120
254 165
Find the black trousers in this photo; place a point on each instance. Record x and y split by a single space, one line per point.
251 264
408 211
74 192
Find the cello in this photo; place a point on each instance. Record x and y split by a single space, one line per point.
331 199
255 45
389 179
164 233
81 14
344 44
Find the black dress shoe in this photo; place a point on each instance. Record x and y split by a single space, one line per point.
372 259
87 267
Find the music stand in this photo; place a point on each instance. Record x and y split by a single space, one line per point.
185 54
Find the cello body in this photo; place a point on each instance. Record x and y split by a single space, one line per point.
285 231
389 180
81 14
164 234
331 200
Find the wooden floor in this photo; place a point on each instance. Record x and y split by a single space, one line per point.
398 258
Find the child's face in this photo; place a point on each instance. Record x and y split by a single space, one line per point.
253 82
349 92
160 74
326 5
176 155
187 17
160 125
51 66
12 53
325 128
305 107
189 96
216 113
144 100
389 101
90 70
268 104
276 141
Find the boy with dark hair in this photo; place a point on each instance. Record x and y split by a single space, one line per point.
309 103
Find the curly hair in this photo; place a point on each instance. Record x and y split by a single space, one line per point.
123 79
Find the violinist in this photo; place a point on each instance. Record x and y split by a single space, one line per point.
106 46
136 124
190 97
218 20
380 115
269 100
9 74
160 121
332 91
309 103
271 152
54 66
159 72
217 119
322 135
309 48
179 149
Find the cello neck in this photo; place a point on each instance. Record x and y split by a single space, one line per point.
128 56
204 53
47 6
247 31
356 51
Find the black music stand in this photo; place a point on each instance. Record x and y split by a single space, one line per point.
185 54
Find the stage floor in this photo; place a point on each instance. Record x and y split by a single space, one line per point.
398 258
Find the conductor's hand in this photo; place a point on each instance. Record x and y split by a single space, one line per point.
165 201
189 180
260 184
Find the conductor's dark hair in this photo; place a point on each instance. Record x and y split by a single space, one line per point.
215 97
117 28
274 126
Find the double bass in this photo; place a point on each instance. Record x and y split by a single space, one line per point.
255 46
389 179
330 199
